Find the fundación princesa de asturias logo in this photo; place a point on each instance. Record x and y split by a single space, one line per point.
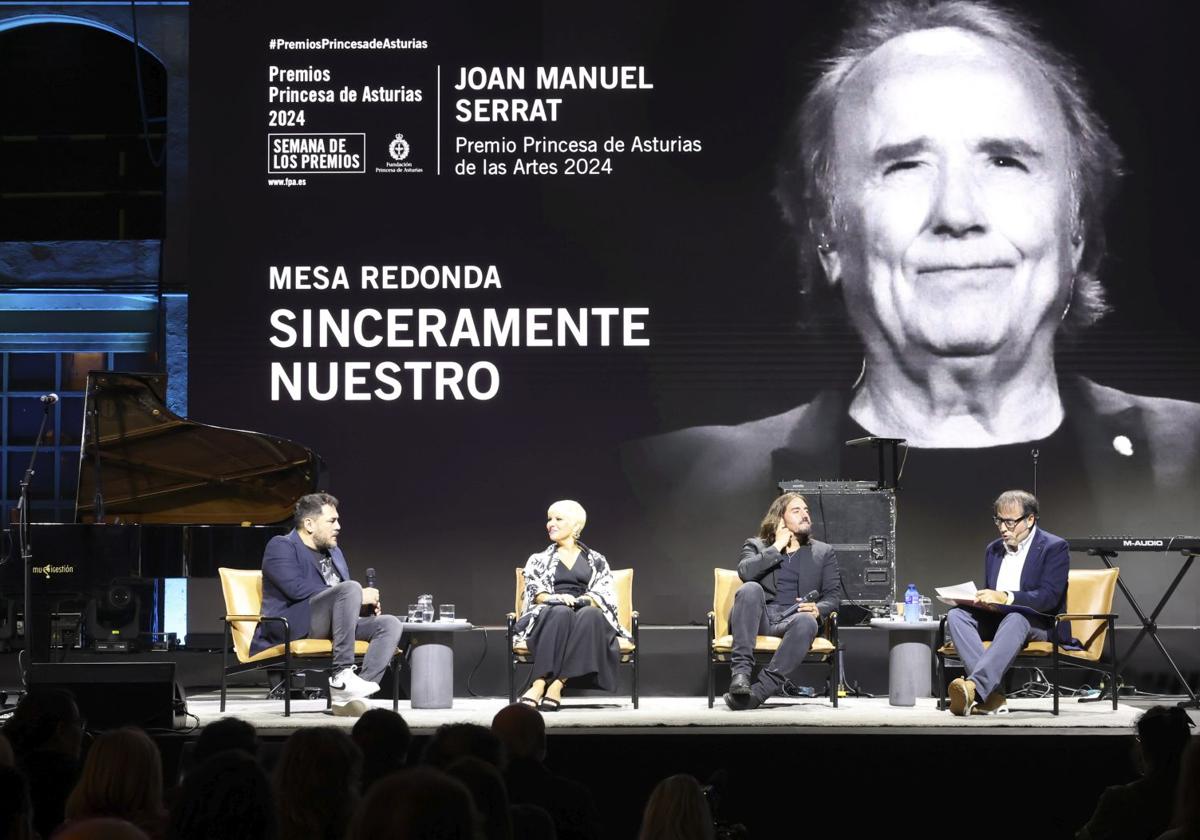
398 149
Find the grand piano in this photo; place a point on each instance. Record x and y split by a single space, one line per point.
158 496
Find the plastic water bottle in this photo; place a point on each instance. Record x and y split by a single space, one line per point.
912 604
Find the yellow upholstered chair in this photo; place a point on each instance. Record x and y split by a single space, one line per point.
626 615
1089 609
242 589
824 651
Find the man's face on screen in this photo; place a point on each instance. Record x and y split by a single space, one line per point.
953 234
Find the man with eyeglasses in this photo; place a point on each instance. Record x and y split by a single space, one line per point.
1026 567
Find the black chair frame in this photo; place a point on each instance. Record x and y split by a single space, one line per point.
287 663
1057 661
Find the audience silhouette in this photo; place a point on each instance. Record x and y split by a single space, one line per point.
1142 808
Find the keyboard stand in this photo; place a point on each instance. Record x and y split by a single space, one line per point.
1150 625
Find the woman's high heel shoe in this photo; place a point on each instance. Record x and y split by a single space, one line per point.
533 695
549 703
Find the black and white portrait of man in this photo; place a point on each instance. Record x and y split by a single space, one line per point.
946 179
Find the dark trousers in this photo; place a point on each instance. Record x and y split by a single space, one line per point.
334 615
752 616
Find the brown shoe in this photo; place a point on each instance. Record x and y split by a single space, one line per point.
962 697
995 704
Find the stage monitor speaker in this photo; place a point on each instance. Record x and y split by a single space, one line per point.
859 521
112 694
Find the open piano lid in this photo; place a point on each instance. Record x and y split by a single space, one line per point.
155 466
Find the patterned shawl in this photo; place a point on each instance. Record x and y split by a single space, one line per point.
539 577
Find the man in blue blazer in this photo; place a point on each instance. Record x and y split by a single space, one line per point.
307 581
1026 568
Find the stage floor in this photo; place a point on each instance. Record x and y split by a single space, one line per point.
671 715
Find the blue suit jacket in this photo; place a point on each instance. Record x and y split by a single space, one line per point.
290 578
1043 579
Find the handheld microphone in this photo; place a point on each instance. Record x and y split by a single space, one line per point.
371 609
49 399
810 598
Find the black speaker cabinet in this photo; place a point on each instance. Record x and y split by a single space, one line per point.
859 521
112 694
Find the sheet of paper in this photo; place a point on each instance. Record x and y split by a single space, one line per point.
959 592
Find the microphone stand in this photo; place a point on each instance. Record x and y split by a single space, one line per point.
23 534
1035 454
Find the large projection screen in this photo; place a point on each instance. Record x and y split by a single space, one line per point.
481 257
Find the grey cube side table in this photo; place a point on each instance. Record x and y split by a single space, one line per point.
910 659
431 655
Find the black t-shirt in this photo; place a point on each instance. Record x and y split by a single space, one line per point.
787 576
324 561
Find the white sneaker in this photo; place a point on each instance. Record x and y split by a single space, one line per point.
355 708
346 685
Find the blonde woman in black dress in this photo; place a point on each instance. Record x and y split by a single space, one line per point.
568 612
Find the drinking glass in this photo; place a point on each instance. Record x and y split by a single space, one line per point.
445 612
926 608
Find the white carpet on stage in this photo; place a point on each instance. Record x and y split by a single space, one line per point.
659 715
